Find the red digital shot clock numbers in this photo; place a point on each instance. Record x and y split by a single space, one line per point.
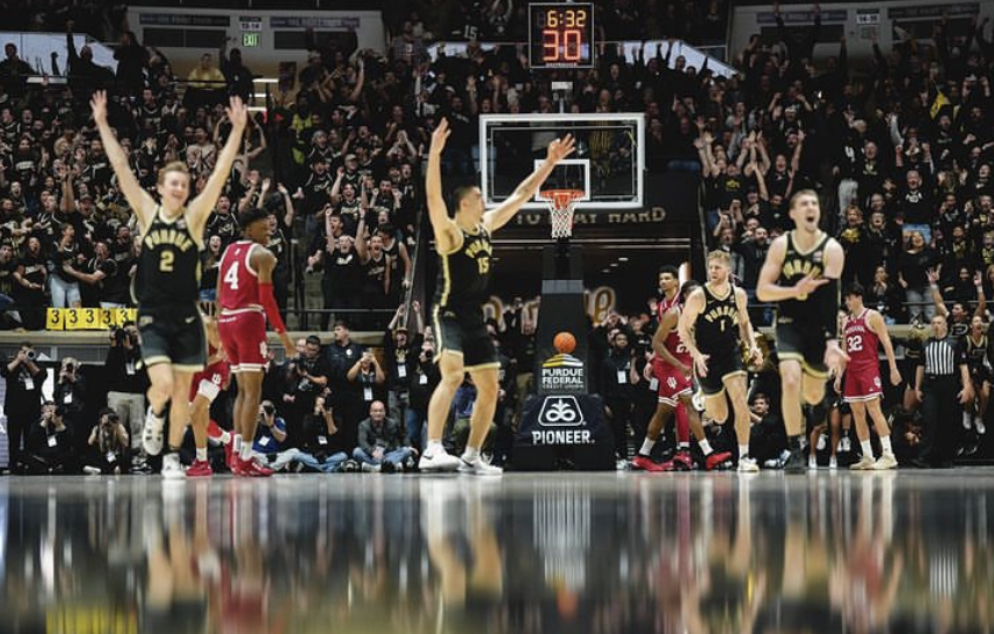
561 35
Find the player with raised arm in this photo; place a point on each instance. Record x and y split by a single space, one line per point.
167 285
714 322
864 329
675 388
801 274
245 299
464 345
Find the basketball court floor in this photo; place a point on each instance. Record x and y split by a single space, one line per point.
551 552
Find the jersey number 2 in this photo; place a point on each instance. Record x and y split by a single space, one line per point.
166 261
231 277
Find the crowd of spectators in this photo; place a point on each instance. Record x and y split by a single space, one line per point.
901 157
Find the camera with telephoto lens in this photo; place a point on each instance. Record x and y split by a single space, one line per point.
70 367
31 355
269 409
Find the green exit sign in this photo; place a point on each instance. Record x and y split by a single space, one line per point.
250 40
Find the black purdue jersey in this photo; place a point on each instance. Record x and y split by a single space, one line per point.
464 275
716 330
796 266
169 265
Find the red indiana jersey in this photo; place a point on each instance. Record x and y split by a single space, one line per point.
861 343
664 305
239 283
675 346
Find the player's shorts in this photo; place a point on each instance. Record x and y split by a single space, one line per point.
979 374
463 332
720 369
672 384
174 337
805 346
243 337
210 382
861 385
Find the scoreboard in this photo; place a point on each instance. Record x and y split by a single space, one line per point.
561 35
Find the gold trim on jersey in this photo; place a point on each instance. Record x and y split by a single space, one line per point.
446 280
710 288
793 243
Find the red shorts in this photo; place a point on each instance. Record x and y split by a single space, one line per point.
243 336
861 385
210 381
672 384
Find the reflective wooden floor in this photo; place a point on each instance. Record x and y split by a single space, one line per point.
832 552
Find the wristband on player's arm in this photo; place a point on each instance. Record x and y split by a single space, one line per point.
272 310
827 301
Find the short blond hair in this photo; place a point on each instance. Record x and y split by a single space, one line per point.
174 166
718 254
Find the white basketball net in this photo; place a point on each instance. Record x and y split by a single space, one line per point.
561 202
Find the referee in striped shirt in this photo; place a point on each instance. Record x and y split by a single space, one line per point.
942 384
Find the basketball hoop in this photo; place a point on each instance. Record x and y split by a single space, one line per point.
561 203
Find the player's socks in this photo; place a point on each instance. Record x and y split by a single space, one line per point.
647 446
866 447
434 446
202 454
885 444
471 454
705 447
743 450
246 453
684 446
794 442
967 420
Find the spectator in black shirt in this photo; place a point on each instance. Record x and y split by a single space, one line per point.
69 392
127 382
425 377
309 375
22 405
618 392
915 263
343 278
768 439
108 444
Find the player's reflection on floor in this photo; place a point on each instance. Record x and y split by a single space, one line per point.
584 553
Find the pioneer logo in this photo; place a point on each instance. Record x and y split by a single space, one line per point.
559 412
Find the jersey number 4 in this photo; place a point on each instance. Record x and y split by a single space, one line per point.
231 277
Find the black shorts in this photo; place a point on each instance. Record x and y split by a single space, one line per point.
719 369
462 331
175 338
805 346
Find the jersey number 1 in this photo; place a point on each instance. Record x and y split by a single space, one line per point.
231 277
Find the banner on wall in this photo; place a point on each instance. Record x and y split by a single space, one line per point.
88 318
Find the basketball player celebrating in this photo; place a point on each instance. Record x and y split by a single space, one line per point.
864 329
463 244
713 324
167 285
204 390
801 274
245 297
675 389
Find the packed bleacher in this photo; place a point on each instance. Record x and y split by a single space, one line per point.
900 155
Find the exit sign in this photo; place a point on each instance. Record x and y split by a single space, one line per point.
250 40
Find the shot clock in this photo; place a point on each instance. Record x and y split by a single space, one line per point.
561 35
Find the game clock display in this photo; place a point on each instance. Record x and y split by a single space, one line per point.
561 35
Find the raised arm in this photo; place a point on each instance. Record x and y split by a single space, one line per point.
981 311
448 238
497 218
139 200
201 206
933 287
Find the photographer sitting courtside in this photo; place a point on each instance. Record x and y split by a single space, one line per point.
108 445
50 445
382 442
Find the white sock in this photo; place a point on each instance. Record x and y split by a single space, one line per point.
885 444
967 420
246 452
684 446
867 449
743 451
705 447
434 446
647 446
225 437
170 459
471 454
237 447
202 454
